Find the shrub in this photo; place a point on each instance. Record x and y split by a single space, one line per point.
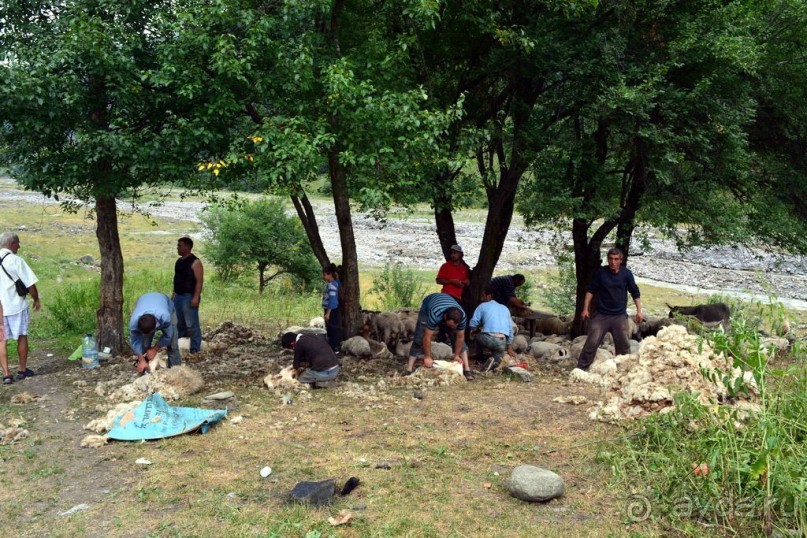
72 310
259 237
718 464
397 287
561 289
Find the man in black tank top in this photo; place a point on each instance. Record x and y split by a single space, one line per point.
188 282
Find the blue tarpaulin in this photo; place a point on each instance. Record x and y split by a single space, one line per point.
155 419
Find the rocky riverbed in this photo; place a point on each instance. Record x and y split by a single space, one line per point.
411 239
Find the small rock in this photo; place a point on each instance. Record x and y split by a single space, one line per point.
266 471
220 395
143 461
86 260
315 493
383 465
535 484
237 420
526 376
418 394
76 508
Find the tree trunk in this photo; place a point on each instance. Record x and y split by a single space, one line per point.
350 308
309 220
261 279
586 262
443 216
109 317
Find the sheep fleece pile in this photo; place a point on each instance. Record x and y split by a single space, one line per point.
641 384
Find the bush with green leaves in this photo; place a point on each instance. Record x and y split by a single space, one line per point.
259 237
724 466
561 290
397 287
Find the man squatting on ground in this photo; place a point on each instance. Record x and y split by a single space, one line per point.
15 308
439 310
611 284
504 290
315 353
188 282
154 311
493 327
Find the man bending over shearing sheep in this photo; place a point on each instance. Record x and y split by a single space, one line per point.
154 311
439 310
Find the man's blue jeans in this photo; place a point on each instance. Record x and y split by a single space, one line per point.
314 376
496 345
188 320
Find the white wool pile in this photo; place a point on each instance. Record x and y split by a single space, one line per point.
428 377
94 441
318 322
101 425
356 346
23 398
170 383
574 400
449 366
284 379
368 393
673 361
12 434
184 345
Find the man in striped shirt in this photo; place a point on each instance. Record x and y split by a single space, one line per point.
439 309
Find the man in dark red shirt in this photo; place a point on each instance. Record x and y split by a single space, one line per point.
454 275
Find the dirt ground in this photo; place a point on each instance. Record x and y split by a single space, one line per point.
495 422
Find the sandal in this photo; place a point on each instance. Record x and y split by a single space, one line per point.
27 373
8 380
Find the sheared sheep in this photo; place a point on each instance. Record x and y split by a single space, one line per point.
357 346
387 327
519 344
409 320
553 325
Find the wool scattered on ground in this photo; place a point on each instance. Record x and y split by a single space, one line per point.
638 385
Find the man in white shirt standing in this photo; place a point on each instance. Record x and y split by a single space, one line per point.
15 307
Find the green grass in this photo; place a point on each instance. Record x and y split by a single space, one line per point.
755 482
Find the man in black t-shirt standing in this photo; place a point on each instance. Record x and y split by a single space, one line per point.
611 284
188 282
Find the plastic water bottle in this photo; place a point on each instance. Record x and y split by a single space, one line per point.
89 352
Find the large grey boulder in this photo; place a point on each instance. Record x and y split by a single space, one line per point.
535 484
